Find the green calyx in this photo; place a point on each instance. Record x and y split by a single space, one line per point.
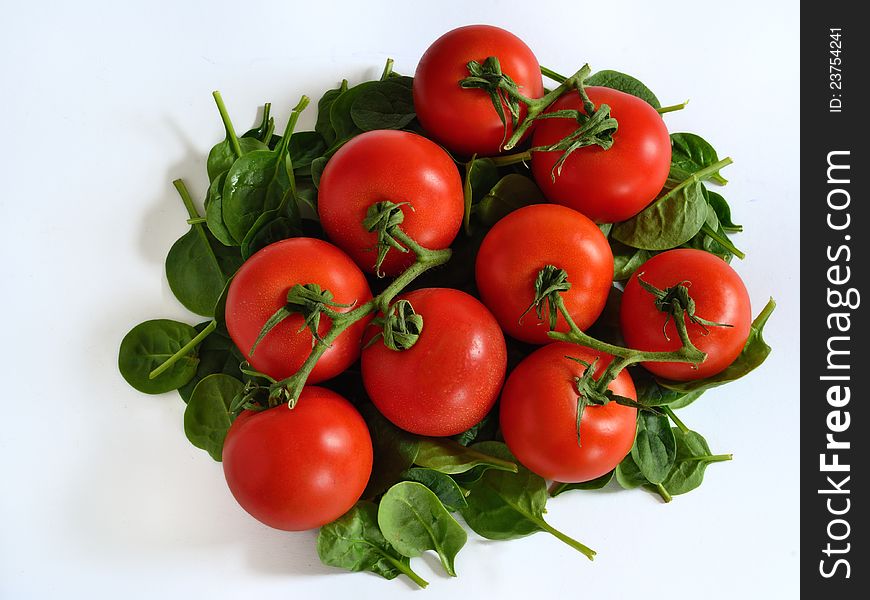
309 300
675 301
549 283
400 327
384 218
502 90
595 128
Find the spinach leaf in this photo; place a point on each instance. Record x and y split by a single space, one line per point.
628 473
217 354
481 175
317 166
264 130
624 83
512 191
270 227
207 417
668 222
484 429
723 211
214 214
627 260
221 157
654 449
383 105
443 486
448 456
303 148
592 484
413 520
650 393
150 344
754 352
693 456
504 505
394 451
691 153
323 126
354 542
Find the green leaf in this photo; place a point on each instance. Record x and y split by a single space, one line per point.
442 485
693 456
413 520
624 83
383 105
723 212
592 484
198 267
150 344
214 214
650 393
691 153
323 126
317 166
512 191
484 429
270 227
668 222
303 148
217 354
394 451
207 417
504 505
221 157
354 542
448 456
481 175
264 130
754 353
627 260
628 474
654 449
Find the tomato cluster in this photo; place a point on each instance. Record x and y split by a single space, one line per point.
362 296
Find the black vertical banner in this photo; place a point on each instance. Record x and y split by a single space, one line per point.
835 257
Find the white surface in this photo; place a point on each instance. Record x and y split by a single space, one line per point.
103 104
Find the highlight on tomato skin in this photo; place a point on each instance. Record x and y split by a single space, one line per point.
462 120
302 468
259 289
524 242
538 416
719 295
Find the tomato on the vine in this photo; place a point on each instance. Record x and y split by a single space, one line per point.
302 468
465 120
450 377
539 416
523 243
396 166
719 296
605 185
259 289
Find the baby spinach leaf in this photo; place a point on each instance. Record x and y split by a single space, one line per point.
628 473
504 505
691 153
754 352
481 175
443 486
221 157
214 214
383 105
626 260
264 130
592 484
207 417
650 393
217 354
448 456
271 227
354 542
303 148
723 211
654 449
150 344
413 520
512 191
670 221
323 126
394 451
484 429
317 166
693 456
624 83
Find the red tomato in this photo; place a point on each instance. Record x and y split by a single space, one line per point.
606 185
260 288
450 378
400 167
465 120
719 296
539 416
302 468
525 241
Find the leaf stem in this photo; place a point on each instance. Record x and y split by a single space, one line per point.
673 416
665 494
185 197
578 546
183 350
228 124
388 69
672 108
407 570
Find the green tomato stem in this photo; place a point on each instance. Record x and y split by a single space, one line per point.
672 108
511 159
183 351
673 416
552 75
228 124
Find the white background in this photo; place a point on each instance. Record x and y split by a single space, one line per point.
103 104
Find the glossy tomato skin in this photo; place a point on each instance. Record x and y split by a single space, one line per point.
400 167
464 120
524 242
606 185
450 378
260 288
720 296
302 468
538 416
